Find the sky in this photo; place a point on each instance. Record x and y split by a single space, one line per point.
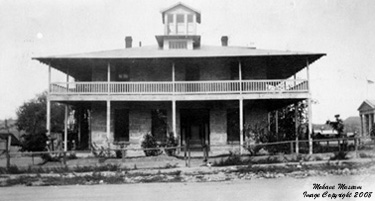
343 29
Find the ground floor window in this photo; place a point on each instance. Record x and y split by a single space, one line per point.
233 122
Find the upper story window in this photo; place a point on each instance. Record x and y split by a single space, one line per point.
170 18
190 18
122 74
181 26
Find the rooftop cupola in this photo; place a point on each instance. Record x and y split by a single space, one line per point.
180 20
180 28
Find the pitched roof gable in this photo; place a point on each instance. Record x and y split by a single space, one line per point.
183 6
367 105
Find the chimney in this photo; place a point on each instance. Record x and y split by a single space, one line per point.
224 41
128 42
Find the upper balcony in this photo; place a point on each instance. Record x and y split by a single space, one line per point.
223 89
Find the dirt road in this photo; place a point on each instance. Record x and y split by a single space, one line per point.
260 189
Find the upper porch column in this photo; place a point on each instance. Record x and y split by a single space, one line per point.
240 75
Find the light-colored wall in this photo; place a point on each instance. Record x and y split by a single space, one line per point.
218 126
140 120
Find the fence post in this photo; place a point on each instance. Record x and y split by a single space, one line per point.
356 146
185 154
64 158
291 147
123 151
189 153
7 147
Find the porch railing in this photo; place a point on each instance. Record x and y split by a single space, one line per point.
180 87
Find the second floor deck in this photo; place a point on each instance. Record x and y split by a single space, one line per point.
167 90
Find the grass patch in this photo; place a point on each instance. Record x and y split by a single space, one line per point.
63 169
341 155
364 155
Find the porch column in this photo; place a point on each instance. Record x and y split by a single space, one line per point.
370 120
67 80
108 119
296 126
361 128
66 128
309 108
277 124
240 75
173 78
79 125
48 120
241 125
269 121
109 77
310 126
174 118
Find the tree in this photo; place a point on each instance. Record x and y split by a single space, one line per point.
32 115
32 119
337 125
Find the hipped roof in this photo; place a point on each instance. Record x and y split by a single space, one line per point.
281 63
153 52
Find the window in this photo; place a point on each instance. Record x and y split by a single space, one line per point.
180 18
177 45
122 74
169 18
190 18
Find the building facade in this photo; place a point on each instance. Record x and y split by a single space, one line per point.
201 94
366 113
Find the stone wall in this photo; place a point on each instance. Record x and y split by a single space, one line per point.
215 71
99 124
139 125
218 126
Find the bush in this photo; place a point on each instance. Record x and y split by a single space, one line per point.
34 142
341 155
171 142
149 142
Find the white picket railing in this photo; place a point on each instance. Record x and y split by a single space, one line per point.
180 87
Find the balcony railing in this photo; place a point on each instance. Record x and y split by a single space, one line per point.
180 87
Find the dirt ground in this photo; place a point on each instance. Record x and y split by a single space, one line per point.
280 189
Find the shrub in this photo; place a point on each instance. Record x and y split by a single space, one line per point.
34 142
341 155
149 142
171 142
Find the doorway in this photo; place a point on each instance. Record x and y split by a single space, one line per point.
121 122
195 127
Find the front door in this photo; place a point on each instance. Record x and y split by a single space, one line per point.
121 125
195 127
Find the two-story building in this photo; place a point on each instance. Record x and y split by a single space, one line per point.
201 93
